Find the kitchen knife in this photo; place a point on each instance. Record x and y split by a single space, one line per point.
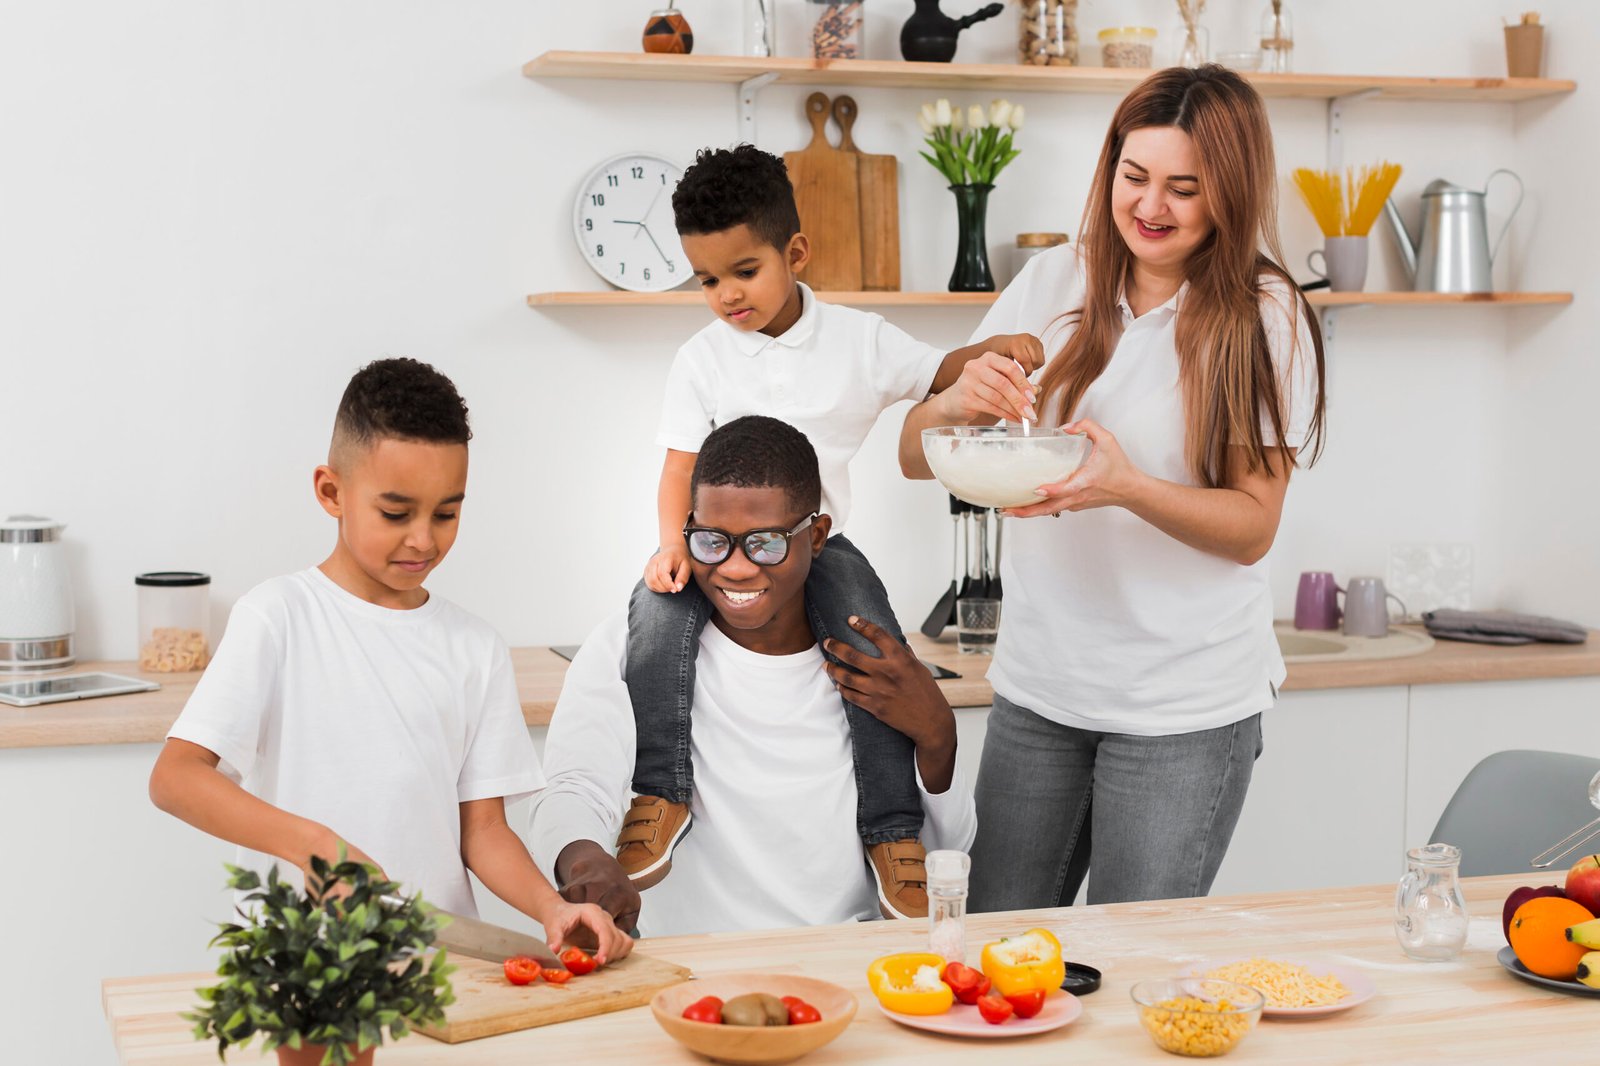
492 943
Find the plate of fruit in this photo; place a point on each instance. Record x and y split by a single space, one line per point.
1016 993
1554 932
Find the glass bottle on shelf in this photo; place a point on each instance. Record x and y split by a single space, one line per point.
1193 38
1277 38
1430 913
760 28
947 904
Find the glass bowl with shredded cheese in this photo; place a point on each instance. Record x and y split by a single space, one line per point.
1197 1017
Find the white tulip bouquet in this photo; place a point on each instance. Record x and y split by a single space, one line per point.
974 150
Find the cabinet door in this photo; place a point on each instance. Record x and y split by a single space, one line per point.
1455 726
1327 799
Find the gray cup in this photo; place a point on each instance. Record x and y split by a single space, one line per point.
1366 607
1344 263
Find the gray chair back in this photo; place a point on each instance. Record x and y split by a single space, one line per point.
1515 804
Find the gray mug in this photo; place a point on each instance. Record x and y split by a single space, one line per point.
1366 607
1344 263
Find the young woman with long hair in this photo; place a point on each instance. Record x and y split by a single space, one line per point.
1136 653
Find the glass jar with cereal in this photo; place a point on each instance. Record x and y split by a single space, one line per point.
1128 46
174 607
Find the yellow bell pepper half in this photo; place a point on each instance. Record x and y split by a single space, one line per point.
1026 963
910 983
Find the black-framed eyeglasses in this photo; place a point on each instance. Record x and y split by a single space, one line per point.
764 547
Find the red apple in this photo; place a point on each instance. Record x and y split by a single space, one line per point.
1518 897
1583 882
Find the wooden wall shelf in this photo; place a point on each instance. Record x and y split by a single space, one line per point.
872 73
1319 298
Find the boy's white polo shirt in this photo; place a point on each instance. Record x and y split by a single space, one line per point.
377 723
830 375
1111 624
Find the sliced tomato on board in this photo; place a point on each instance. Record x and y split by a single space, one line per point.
558 977
578 961
521 970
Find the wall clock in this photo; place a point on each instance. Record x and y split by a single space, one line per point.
623 222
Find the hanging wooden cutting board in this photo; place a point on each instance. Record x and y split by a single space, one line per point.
488 1005
878 186
825 191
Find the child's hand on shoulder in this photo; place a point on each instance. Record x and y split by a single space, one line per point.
575 923
1025 348
668 569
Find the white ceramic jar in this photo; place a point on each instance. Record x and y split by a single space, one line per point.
36 613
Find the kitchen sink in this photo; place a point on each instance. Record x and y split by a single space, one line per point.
1302 646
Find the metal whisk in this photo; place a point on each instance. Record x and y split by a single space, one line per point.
1576 840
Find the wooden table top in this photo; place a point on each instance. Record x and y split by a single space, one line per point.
145 717
1469 1010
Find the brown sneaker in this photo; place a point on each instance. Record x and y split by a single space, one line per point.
650 830
897 866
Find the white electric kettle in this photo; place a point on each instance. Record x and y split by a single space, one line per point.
36 619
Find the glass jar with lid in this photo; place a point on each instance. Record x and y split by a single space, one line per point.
1048 33
174 610
1128 46
836 28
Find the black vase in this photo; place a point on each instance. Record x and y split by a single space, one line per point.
929 35
972 273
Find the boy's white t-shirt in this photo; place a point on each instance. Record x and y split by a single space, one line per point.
830 375
1111 624
377 723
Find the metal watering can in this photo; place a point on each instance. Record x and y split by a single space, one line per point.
1453 253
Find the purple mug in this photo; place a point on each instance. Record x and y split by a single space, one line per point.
1316 604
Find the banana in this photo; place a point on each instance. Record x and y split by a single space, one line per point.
1589 969
1585 934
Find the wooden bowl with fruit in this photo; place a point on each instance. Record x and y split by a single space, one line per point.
1554 931
754 1017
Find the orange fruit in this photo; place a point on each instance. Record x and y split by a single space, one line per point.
1539 936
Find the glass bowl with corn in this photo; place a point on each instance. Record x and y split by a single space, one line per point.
1195 1016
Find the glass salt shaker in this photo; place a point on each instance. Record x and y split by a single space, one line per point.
947 904
1430 913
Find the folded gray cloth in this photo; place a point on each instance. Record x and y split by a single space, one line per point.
1501 627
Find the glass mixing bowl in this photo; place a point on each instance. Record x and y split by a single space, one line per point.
1001 466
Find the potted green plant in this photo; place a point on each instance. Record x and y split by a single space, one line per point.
320 974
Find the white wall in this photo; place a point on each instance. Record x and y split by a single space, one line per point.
211 214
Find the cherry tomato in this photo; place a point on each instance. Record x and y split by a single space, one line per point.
1027 1004
558 977
521 970
707 1009
801 1012
968 984
994 1009
577 961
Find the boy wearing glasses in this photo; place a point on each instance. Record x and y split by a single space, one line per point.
830 371
776 841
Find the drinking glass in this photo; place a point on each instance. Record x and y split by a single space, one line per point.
977 625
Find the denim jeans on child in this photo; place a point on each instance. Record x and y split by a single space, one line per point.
1159 811
664 638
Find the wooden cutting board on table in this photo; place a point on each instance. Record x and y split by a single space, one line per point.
825 191
878 190
488 1005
